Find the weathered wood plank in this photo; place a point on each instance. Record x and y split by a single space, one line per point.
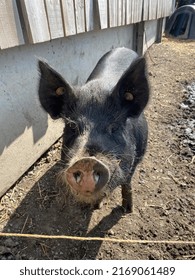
69 17
146 10
137 7
128 11
120 12
152 9
139 10
54 14
136 10
123 12
113 13
80 15
163 8
10 28
35 19
89 14
168 8
121 9
133 11
159 9
103 13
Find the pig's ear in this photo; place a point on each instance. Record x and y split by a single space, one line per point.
132 90
55 94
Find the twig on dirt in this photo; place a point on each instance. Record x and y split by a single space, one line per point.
176 180
4 218
192 161
154 206
44 249
37 176
106 239
24 224
188 256
12 194
169 201
40 191
169 161
150 56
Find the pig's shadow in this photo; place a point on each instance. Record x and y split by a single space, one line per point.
43 211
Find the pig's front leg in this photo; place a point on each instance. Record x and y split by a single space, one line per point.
127 201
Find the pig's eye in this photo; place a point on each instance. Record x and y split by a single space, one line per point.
77 127
113 128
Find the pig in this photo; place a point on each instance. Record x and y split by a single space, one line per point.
105 133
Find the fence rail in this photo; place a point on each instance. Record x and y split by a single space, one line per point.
34 21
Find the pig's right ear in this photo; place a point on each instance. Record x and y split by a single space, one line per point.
55 94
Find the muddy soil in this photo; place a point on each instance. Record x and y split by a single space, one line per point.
163 185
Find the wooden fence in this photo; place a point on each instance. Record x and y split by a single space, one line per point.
34 21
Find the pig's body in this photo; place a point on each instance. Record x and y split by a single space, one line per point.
105 133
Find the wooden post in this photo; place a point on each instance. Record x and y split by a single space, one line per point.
159 30
139 37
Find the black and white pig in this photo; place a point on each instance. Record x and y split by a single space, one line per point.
105 134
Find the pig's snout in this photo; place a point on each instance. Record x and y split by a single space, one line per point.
87 175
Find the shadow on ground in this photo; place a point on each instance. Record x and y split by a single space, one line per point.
45 211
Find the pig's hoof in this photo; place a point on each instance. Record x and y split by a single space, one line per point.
127 206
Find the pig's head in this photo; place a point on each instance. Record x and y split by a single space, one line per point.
99 148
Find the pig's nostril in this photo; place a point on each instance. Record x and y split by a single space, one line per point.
77 176
96 176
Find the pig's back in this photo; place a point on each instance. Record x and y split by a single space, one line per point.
111 67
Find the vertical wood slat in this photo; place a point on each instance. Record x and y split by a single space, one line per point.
103 13
89 14
159 9
139 8
10 28
69 17
136 11
163 8
146 10
113 15
168 8
136 8
123 12
133 11
152 9
120 12
79 6
121 9
53 8
35 19
128 11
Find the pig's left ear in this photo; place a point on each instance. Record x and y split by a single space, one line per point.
132 90
55 94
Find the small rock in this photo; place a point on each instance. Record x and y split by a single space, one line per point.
186 152
9 242
110 232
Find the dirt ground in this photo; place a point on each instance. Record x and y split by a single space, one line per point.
163 186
